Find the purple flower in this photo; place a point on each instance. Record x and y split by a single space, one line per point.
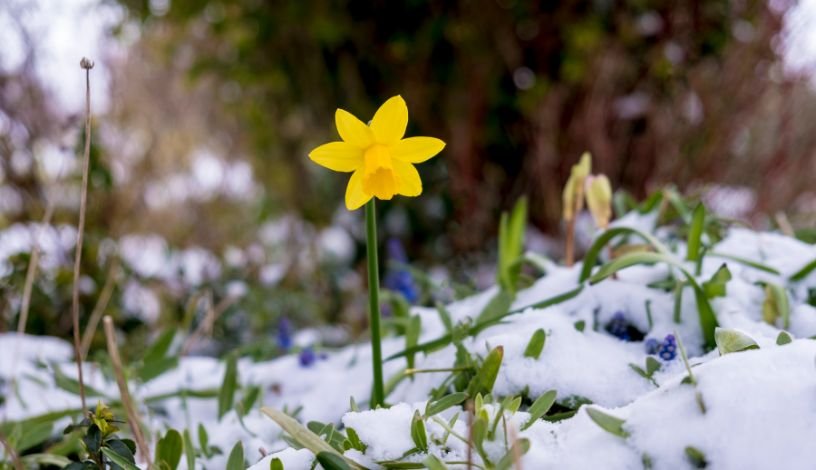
284 334
399 279
307 357
668 350
619 327
652 345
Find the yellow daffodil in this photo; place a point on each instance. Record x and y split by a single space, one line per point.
380 160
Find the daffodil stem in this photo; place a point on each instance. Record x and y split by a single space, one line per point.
378 394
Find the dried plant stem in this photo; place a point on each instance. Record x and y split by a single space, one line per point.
87 65
133 417
31 272
784 224
99 308
569 254
470 411
12 454
516 450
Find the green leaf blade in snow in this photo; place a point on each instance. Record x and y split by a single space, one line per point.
236 457
226 396
540 407
608 423
536 344
169 449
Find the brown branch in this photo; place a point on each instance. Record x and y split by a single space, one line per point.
127 402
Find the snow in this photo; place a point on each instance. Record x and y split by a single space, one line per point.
760 411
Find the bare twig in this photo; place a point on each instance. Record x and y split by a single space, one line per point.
514 448
133 417
99 308
784 224
33 262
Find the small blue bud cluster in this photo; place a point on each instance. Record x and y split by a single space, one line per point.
619 327
284 334
308 357
666 350
399 279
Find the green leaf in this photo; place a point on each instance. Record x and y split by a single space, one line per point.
479 432
251 395
118 459
92 439
708 320
580 325
694 240
696 457
731 341
300 433
122 449
803 272
332 461
418 434
412 332
652 365
435 407
276 464
150 370
45 460
189 451
169 449
594 251
432 462
776 305
236 457
536 344
518 449
784 338
747 262
160 347
608 423
203 439
511 243
353 441
28 436
716 286
497 307
540 407
486 376
226 395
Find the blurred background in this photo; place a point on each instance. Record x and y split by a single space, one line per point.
205 213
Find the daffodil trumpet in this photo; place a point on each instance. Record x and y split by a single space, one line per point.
381 162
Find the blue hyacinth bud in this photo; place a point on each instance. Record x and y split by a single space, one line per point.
619 327
668 349
284 334
652 345
307 357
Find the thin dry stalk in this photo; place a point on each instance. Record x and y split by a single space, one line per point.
516 449
31 272
784 224
570 243
12 454
205 328
133 417
99 308
87 65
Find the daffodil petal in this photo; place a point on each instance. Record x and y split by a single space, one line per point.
390 121
416 149
355 196
353 130
338 156
408 181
